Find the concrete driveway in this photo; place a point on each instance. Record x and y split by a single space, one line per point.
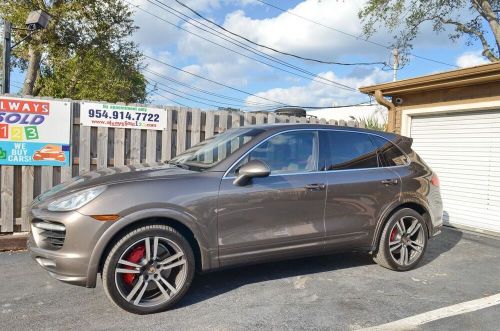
336 292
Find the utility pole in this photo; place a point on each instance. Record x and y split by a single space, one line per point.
395 64
6 57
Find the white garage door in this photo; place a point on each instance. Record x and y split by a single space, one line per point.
464 150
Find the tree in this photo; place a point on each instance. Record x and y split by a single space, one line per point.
85 52
478 20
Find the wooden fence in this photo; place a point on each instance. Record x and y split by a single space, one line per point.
95 148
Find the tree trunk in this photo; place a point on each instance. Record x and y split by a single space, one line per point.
35 57
486 11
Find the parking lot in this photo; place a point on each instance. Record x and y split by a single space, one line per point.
336 292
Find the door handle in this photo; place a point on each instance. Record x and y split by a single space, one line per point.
315 187
388 182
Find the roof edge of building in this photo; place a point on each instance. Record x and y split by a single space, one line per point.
454 78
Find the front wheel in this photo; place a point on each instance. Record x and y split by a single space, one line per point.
149 269
403 241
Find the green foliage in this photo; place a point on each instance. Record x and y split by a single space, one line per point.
372 122
478 20
85 52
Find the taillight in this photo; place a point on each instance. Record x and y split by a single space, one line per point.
435 180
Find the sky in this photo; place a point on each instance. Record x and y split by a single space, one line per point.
238 78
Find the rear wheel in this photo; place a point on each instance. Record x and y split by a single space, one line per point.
149 269
403 241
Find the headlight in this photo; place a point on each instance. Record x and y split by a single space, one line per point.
76 200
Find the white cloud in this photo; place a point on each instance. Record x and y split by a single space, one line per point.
471 59
317 94
292 34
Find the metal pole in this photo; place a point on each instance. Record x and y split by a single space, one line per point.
6 57
395 64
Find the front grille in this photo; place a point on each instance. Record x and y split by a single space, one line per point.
51 234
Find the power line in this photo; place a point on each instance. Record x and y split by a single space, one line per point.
175 81
244 101
169 99
193 95
273 49
315 77
189 20
187 98
213 81
206 103
245 92
233 41
349 34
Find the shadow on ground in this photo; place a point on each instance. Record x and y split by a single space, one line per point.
206 286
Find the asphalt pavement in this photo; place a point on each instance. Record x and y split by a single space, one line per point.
336 292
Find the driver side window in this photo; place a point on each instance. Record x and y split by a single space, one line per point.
288 152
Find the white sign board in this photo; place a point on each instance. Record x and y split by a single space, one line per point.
120 116
34 132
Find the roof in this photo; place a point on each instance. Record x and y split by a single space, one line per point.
455 78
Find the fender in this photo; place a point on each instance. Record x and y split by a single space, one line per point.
403 199
209 258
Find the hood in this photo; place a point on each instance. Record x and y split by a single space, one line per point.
114 175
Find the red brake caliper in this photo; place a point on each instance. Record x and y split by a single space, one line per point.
135 256
393 234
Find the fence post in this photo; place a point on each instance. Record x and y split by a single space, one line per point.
248 118
195 126
119 148
259 118
84 154
222 152
26 195
181 130
7 196
166 138
271 118
209 124
102 148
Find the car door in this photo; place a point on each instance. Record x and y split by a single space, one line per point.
278 215
359 188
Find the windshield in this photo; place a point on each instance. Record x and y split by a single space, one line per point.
215 149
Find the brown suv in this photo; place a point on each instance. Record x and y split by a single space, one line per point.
248 195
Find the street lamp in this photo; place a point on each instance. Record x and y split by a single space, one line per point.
37 20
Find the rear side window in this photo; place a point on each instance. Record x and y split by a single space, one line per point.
389 153
347 150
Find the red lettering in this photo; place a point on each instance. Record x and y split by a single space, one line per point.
24 106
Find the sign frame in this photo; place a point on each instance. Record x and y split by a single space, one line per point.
53 145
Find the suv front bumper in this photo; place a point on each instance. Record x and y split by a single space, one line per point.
69 261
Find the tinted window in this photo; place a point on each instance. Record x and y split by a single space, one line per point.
348 150
389 152
215 149
288 152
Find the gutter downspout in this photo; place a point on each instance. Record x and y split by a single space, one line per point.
391 108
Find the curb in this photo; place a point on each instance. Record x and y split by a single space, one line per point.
13 242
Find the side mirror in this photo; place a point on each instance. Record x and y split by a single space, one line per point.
251 169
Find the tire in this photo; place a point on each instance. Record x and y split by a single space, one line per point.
398 248
143 286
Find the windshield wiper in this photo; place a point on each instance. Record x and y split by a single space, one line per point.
179 165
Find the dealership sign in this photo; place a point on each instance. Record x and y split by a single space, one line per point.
34 132
121 116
